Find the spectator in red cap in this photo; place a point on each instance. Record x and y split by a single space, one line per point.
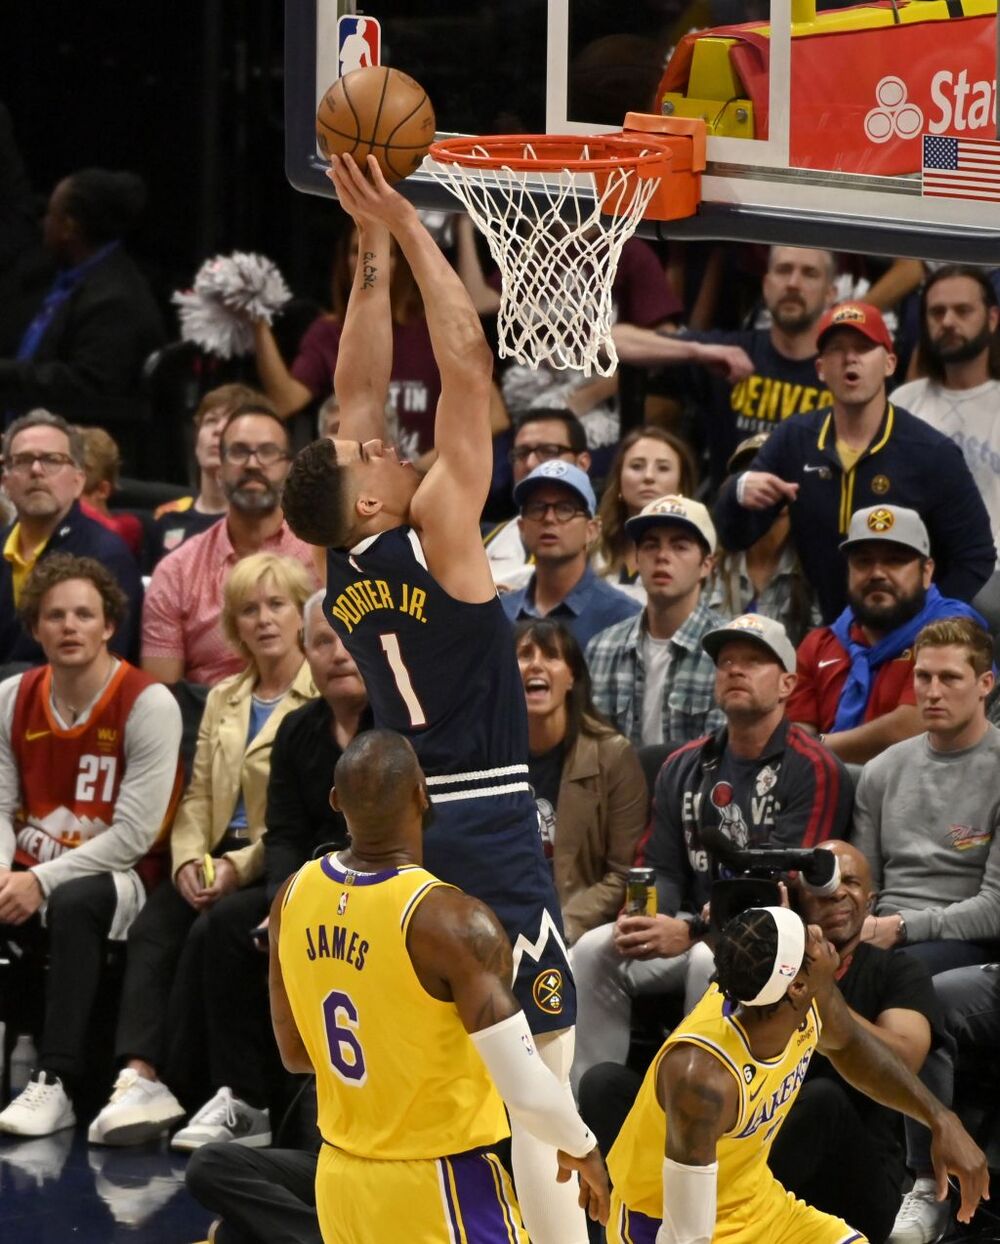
859 452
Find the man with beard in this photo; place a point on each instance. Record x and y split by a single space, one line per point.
861 451
839 1150
855 686
181 636
746 382
960 395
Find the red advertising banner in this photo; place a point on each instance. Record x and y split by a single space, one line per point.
861 99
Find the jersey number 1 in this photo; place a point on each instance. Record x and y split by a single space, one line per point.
404 685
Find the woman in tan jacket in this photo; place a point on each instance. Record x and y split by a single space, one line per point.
218 870
591 793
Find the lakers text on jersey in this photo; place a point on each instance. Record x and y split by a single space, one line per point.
752 1205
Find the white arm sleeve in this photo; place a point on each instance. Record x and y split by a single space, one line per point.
688 1203
532 1094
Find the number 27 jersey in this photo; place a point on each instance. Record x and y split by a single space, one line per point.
438 670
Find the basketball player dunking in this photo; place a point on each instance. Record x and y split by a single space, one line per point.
724 1081
395 988
410 592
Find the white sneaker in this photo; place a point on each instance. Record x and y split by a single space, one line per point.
225 1117
137 1110
41 1109
922 1218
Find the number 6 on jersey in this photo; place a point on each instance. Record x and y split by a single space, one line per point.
347 1058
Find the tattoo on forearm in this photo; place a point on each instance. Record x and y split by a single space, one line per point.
695 1121
369 271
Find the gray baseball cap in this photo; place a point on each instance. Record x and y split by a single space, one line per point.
890 524
766 631
672 510
555 471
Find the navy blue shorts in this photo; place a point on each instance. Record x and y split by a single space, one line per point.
491 848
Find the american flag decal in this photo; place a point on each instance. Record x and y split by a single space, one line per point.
961 168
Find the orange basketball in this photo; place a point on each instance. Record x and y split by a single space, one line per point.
379 111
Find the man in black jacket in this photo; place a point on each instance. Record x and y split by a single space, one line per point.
83 352
860 452
43 476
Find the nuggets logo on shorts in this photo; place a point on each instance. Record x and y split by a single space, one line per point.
881 520
548 990
880 485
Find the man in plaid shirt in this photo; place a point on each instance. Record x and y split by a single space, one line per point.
650 674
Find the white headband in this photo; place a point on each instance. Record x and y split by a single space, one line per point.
788 957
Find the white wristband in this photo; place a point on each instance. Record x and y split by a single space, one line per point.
741 487
530 1091
689 1203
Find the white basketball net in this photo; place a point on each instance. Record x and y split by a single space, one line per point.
557 253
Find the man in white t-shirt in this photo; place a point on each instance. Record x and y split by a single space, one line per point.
960 395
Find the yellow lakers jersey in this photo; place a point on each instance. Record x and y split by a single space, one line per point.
397 1076
767 1089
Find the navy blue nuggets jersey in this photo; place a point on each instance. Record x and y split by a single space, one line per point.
444 673
438 670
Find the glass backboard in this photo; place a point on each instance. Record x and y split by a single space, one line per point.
866 127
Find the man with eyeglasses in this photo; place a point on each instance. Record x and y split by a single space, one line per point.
558 527
543 435
43 477
181 636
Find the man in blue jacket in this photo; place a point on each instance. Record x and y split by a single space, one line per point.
860 452
43 477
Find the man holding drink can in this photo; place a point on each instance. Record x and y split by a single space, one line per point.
760 781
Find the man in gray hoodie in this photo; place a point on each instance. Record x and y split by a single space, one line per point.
926 815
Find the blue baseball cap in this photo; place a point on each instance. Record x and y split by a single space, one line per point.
558 472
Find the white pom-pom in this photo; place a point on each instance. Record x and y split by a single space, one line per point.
230 292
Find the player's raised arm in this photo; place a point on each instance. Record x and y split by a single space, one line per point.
461 953
364 357
293 1052
876 1070
462 436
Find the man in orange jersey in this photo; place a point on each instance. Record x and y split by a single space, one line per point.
395 988
89 779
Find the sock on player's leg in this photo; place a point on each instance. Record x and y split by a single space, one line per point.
549 1209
